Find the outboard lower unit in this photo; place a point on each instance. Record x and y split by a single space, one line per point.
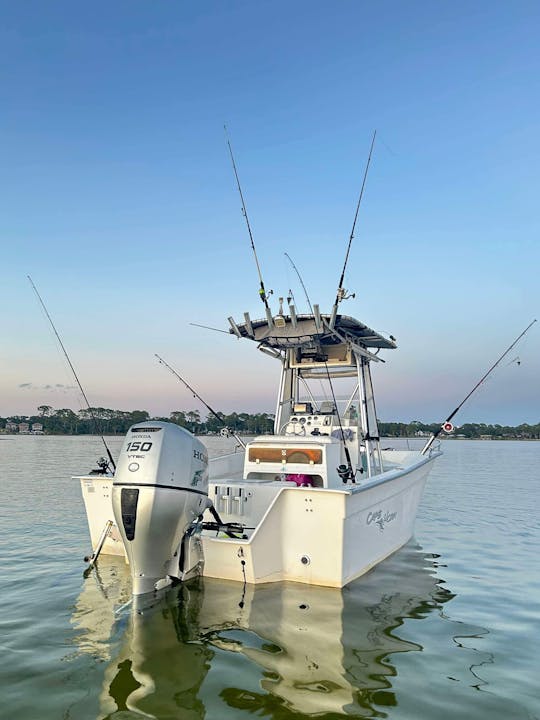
160 488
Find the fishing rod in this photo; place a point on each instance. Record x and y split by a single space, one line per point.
96 426
196 395
447 425
348 472
340 295
262 291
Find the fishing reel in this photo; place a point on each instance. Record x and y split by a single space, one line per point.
342 294
103 467
345 473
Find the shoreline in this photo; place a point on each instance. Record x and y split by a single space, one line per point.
203 435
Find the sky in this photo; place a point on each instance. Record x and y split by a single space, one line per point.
119 200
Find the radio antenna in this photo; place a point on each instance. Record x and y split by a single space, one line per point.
301 282
341 291
262 291
207 327
96 427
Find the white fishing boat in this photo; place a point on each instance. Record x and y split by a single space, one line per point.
319 501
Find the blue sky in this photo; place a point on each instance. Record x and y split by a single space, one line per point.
118 196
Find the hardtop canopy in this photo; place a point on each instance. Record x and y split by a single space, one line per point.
304 330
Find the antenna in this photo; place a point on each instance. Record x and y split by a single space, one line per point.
207 327
301 283
73 371
262 291
341 291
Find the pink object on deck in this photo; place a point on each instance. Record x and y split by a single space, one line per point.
300 480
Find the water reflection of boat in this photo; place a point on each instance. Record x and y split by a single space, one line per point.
296 647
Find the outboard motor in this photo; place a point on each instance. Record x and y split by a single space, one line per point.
160 488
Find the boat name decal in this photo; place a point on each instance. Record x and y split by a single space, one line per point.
380 518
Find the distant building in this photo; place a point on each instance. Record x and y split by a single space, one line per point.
37 429
11 427
24 428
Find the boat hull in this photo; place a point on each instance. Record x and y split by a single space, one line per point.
322 536
317 536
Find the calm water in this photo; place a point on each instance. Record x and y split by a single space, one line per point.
446 628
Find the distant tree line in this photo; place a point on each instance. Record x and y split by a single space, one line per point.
117 422
468 430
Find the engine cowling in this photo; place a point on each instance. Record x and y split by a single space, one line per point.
160 487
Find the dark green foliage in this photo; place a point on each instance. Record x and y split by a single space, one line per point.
468 430
116 422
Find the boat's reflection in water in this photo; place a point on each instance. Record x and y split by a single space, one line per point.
210 646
